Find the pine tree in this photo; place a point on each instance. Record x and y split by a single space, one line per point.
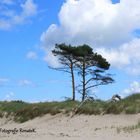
91 68
65 57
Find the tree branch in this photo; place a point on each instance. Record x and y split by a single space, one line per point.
102 83
60 69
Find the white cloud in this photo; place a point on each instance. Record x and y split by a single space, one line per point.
4 24
97 22
100 24
9 96
9 17
25 82
7 82
134 88
125 57
4 80
32 55
29 8
8 2
51 60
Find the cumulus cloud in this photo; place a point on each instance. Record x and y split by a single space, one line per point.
95 22
134 88
32 55
9 17
51 60
101 24
126 56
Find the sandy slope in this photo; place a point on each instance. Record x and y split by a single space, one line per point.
61 127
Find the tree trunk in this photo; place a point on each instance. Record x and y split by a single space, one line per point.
73 83
83 82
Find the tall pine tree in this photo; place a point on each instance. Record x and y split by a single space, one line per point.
92 68
64 54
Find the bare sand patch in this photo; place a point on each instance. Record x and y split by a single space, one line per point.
80 127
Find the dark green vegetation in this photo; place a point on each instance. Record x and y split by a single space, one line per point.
21 111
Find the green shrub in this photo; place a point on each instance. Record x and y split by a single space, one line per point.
130 110
1 114
113 109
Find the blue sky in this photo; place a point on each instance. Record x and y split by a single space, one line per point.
30 28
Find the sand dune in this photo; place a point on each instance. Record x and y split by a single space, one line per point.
61 127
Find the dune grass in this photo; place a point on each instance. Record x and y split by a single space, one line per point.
21 111
129 105
129 129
